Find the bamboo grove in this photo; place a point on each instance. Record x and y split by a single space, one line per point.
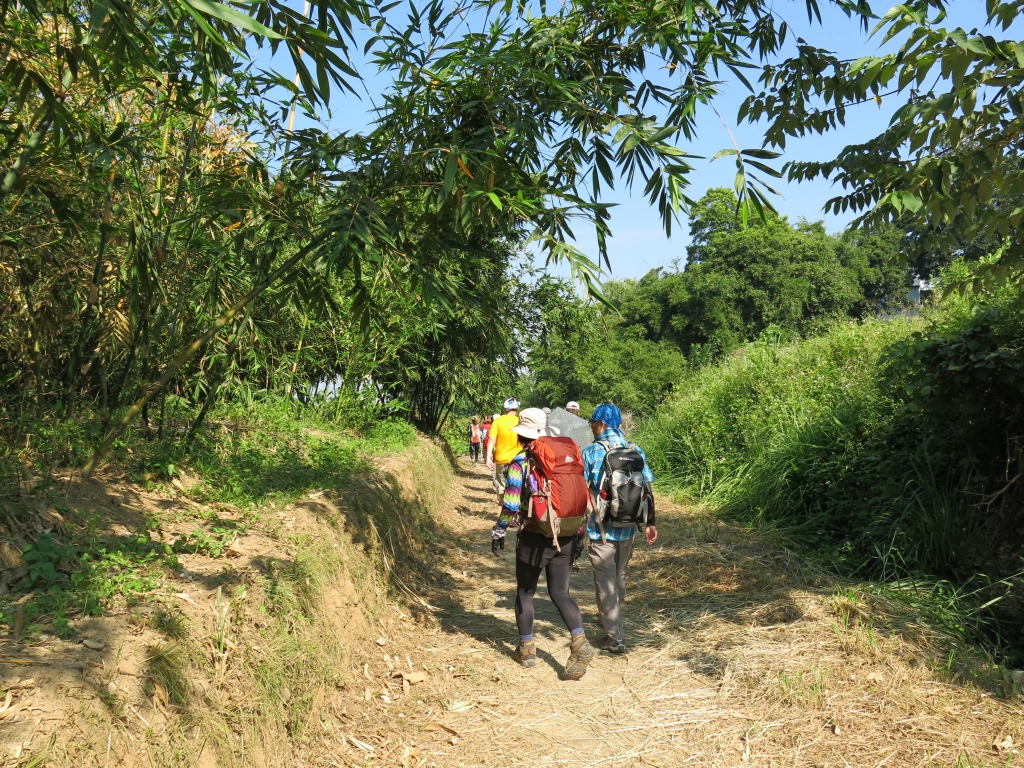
167 237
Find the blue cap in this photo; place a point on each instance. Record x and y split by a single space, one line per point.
608 414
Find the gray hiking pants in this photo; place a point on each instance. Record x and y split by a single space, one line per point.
610 560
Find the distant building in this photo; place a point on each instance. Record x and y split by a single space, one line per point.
921 290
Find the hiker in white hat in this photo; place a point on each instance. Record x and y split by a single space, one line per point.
536 553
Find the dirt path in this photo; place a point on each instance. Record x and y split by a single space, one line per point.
738 654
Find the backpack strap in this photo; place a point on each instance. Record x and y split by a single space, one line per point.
525 489
598 514
553 519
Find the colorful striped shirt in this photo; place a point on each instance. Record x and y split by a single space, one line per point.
593 462
512 500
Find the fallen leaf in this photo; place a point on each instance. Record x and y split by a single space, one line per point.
184 596
160 693
1005 745
24 598
93 644
177 484
875 677
458 705
439 727
414 677
234 549
361 744
408 755
381 641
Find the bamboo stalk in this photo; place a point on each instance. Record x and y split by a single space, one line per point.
172 369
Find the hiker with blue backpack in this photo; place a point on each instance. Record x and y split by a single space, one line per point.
545 500
620 481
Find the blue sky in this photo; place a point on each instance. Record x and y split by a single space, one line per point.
639 243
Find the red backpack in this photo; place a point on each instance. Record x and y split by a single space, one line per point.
559 505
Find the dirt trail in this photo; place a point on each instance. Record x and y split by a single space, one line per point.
738 654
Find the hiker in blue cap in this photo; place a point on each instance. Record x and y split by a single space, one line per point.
620 482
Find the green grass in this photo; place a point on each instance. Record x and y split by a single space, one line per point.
867 448
262 455
800 437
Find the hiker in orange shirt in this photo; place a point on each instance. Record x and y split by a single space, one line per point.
475 439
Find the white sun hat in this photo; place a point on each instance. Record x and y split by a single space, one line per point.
532 423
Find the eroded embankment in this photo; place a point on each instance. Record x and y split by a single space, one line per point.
250 653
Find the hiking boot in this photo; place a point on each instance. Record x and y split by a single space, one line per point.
611 645
581 653
526 654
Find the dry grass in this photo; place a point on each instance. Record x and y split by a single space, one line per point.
369 632
740 653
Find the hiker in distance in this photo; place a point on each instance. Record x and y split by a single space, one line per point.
620 482
475 439
502 445
485 430
573 407
545 497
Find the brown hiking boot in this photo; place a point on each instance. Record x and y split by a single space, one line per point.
611 645
526 654
581 653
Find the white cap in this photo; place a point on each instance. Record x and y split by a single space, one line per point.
572 405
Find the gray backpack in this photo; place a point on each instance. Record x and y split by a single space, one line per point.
624 495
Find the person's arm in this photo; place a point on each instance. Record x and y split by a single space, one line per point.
489 449
591 505
651 531
510 504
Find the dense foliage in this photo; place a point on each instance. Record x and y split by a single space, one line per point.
738 281
891 449
167 236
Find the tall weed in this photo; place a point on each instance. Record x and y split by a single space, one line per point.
889 449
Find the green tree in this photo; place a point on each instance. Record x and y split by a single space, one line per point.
947 166
590 355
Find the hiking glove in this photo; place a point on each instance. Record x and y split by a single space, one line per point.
498 538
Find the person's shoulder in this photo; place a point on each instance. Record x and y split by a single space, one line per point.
592 449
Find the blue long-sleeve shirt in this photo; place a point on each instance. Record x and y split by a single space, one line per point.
593 462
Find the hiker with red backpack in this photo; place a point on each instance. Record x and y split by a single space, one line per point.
620 481
476 439
546 499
